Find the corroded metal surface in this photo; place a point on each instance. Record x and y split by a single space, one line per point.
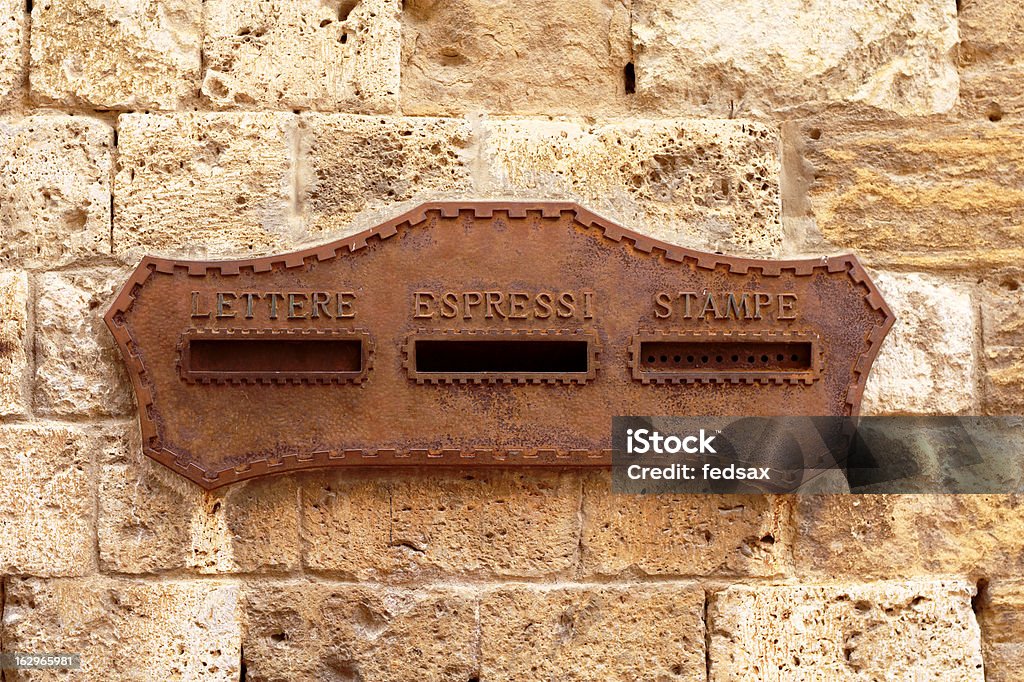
478 334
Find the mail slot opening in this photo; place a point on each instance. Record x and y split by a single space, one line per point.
504 356
725 356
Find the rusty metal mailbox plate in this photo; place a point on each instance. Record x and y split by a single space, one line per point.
478 334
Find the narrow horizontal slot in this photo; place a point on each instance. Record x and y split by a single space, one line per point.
502 356
284 356
725 356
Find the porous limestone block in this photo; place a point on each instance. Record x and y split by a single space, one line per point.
204 185
989 55
14 367
890 630
13 49
1004 380
756 58
47 501
127 629
153 520
1000 608
947 195
600 632
926 364
363 166
895 536
664 535
704 184
125 54
523 57
306 630
341 55
55 174
79 371
1002 325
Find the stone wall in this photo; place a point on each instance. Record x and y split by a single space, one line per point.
229 128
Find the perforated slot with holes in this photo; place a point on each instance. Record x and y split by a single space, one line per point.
725 356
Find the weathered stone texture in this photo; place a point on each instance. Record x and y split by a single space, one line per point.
485 523
1002 324
942 195
13 49
14 368
128 54
152 520
78 369
892 630
128 629
752 57
525 57
991 68
1004 380
884 536
926 364
680 534
354 164
303 54
705 184
204 185
54 190
626 633
319 631
47 501
1000 610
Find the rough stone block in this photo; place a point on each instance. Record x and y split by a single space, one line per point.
78 369
706 184
302 630
204 185
354 164
1004 380
128 629
926 364
892 536
1002 307
681 534
130 54
632 632
14 368
303 54
991 93
990 30
756 58
55 176
13 49
898 630
153 520
526 57
1000 608
940 196
47 501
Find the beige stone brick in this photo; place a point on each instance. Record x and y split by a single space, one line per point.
681 534
129 54
926 364
992 93
898 630
706 184
14 366
204 185
1004 380
421 524
991 30
756 58
364 164
299 630
47 501
947 195
895 536
527 57
78 369
128 629
153 520
1000 608
13 49
627 632
303 54
1002 307
55 176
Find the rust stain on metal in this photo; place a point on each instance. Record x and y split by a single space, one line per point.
472 333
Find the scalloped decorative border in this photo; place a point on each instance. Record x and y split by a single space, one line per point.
151 265
719 377
580 378
266 378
